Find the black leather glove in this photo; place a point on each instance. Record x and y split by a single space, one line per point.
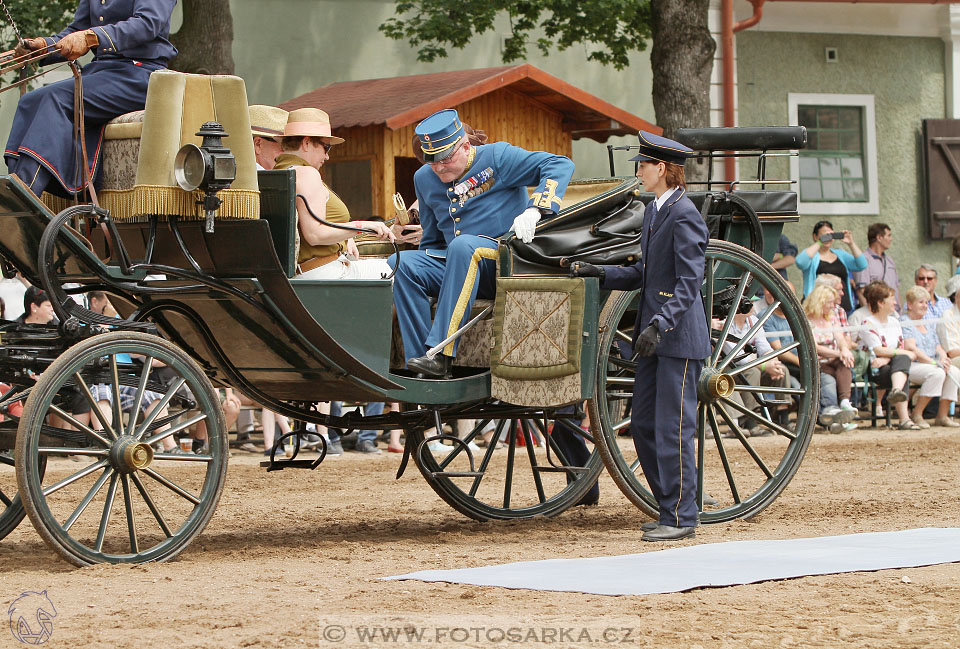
583 269
647 341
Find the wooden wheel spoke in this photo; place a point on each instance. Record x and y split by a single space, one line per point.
6 500
511 455
94 406
725 330
115 377
149 419
528 439
76 476
487 457
711 413
142 488
62 450
87 499
750 335
138 397
82 427
183 425
131 520
763 359
739 432
5 459
107 510
172 486
763 421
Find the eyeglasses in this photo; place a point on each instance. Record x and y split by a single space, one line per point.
448 160
926 279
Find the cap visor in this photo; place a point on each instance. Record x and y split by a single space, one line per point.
437 157
642 157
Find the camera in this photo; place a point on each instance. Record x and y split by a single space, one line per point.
831 236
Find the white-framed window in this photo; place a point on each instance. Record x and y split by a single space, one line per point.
837 172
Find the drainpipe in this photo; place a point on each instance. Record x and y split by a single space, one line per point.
728 28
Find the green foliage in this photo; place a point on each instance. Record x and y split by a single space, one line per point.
35 18
609 29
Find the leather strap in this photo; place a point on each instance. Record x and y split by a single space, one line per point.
316 262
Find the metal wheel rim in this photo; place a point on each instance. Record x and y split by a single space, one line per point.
625 472
124 490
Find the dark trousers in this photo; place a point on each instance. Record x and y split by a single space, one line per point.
899 363
664 425
41 150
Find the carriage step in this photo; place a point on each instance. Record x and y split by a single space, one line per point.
280 465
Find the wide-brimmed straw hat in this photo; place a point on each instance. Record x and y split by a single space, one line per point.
311 122
267 121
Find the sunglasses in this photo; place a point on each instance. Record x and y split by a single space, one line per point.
926 279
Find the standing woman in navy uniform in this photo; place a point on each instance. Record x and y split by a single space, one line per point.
129 40
670 336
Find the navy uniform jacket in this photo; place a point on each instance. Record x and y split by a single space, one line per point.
131 29
133 42
498 180
670 271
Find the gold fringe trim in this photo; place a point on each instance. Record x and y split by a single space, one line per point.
143 201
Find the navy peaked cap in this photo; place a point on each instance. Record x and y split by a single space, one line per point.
661 149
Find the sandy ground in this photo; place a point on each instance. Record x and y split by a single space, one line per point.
293 559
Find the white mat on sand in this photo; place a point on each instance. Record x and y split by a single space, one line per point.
715 564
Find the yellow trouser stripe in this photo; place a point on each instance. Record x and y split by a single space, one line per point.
461 306
683 385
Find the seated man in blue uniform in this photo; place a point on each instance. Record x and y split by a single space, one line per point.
129 40
670 336
469 196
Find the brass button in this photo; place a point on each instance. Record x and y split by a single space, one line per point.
453 209
450 190
458 232
457 219
101 18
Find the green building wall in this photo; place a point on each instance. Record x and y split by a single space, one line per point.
906 77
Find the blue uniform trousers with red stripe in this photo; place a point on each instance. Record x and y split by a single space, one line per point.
41 148
664 426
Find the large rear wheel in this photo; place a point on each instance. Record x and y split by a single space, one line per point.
743 473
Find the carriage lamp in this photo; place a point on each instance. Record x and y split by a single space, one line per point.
209 167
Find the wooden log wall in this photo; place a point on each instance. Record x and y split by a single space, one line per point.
506 116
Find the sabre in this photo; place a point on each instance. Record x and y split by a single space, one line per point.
433 351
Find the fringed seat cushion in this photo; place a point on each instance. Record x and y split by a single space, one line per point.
475 346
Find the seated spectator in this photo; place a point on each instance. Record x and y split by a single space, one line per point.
948 331
37 308
836 360
926 276
821 257
883 337
929 370
880 265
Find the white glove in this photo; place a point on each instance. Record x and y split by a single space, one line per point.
525 225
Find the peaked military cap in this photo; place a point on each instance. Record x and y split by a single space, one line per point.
439 134
661 149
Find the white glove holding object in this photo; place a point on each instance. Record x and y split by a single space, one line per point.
525 225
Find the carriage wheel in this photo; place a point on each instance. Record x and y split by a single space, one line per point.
744 474
528 474
12 507
124 501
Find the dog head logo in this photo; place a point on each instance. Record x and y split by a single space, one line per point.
31 617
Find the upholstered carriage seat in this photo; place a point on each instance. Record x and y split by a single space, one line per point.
121 150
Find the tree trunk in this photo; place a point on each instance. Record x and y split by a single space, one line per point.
682 61
205 40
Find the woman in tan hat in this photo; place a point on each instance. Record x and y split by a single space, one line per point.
307 139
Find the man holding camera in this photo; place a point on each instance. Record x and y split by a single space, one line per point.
880 265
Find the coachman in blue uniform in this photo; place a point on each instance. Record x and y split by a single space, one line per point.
129 40
469 196
670 336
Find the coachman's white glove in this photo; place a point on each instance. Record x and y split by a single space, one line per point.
525 225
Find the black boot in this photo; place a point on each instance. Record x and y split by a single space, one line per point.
438 367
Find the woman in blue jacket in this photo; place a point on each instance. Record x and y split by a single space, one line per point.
822 258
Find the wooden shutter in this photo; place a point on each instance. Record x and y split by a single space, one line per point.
941 171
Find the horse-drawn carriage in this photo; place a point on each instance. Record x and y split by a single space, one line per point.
225 308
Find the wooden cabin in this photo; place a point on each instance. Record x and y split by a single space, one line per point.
520 104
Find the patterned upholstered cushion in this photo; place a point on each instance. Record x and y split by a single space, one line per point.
121 149
474 350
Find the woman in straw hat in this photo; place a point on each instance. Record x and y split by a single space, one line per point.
307 139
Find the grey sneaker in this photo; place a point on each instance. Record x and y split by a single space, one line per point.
829 415
368 446
334 447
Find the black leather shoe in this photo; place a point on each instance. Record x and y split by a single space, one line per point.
669 533
438 367
649 525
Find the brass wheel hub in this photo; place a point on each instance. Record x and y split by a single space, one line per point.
129 454
714 385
